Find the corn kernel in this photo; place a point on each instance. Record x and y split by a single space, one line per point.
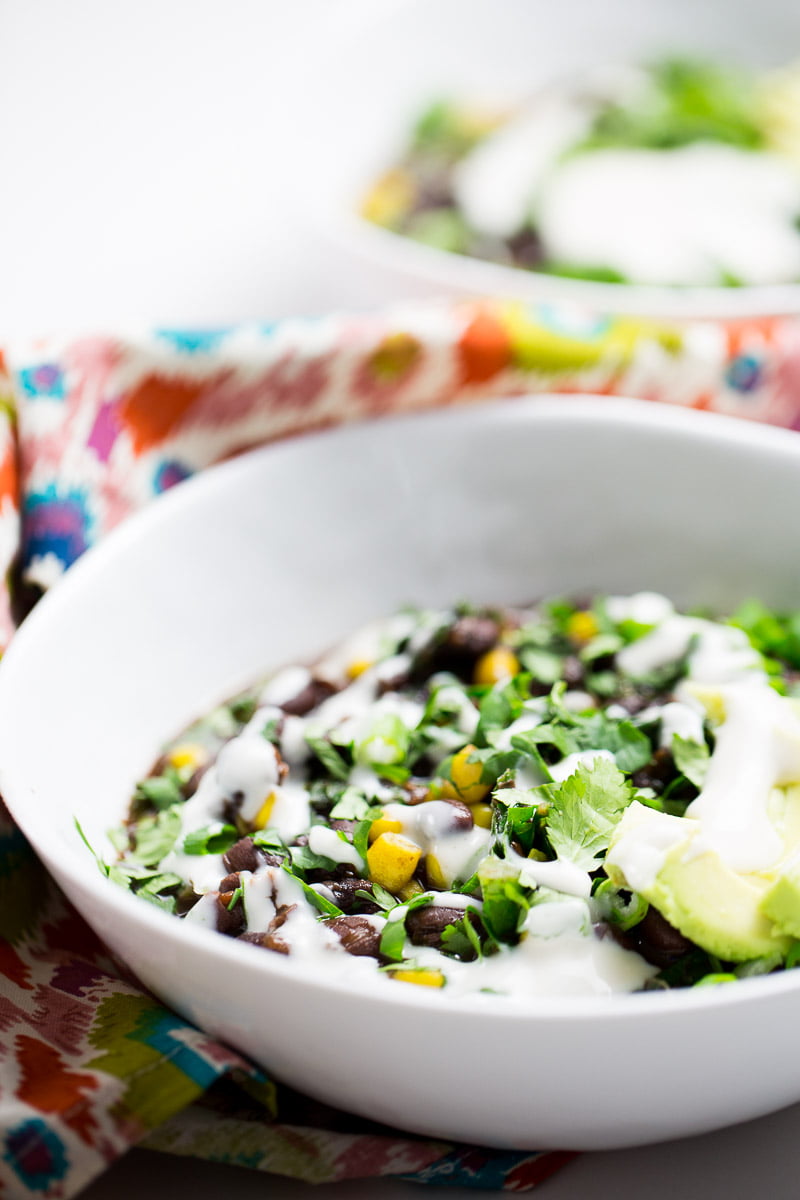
420 975
582 627
436 876
384 825
187 754
410 890
261 819
389 199
392 859
465 779
357 667
496 665
482 815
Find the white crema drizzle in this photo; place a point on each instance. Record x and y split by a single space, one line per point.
757 749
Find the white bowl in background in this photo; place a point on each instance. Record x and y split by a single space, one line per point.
270 558
356 102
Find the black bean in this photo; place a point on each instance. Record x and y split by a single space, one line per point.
230 920
270 938
461 819
394 682
426 925
459 648
416 791
344 894
474 635
244 855
189 788
357 935
309 698
657 773
656 940
526 248
343 825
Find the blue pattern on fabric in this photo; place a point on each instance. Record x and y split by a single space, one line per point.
168 473
157 1028
56 524
43 380
193 341
36 1154
744 373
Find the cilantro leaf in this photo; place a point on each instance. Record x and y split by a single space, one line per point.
461 939
544 666
351 806
379 895
268 839
393 936
304 859
505 900
583 811
333 762
270 732
242 708
501 705
691 758
361 836
393 940
212 839
103 867
155 836
320 902
630 746
161 791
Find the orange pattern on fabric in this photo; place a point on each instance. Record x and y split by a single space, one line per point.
484 348
158 405
8 474
48 1085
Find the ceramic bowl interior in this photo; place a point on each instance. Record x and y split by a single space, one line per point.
356 103
272 557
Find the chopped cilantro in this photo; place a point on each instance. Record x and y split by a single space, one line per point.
269 730
242 708
691 758
154 836
161 791
393 940
320 902
351 806
268 839
304 859
583 811
212 839
329 756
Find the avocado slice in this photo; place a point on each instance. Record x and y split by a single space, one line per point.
712 904
717 907
781 902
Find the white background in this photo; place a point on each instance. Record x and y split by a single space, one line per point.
143 148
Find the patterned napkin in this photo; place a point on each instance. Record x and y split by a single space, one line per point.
91 429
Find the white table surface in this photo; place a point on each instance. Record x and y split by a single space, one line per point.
142 148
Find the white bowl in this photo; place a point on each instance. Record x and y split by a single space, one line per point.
273 556
355 105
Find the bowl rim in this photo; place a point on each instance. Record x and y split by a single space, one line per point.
447 271
71 860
